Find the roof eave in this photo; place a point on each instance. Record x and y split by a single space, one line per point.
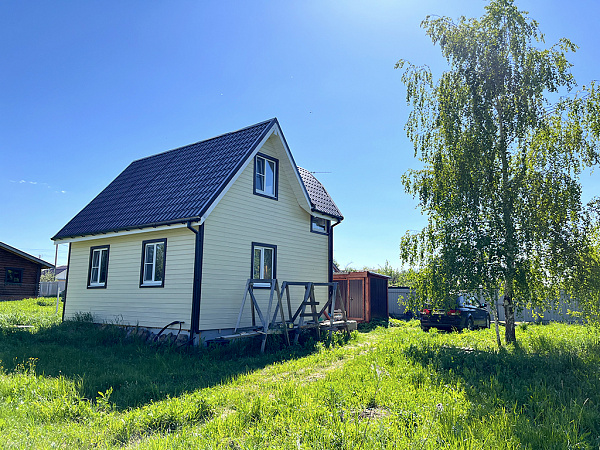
27 256
338 218
129 228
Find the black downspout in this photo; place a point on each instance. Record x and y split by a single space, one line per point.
197 289
330 252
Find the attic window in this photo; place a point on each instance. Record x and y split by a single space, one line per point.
265 176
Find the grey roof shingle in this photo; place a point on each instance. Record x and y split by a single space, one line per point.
175 186
321 200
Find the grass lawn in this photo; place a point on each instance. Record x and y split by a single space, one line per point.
74 385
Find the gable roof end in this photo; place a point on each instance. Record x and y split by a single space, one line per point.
176 186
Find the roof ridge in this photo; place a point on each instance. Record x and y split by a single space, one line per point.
274 119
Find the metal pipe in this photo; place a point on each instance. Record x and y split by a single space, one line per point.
197 285
330 252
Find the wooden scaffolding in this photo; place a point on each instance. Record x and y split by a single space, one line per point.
331 316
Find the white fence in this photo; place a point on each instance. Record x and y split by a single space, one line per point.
51 288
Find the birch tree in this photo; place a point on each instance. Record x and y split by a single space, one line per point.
500 182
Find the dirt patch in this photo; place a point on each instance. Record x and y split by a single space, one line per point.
226 412
373 413
321 372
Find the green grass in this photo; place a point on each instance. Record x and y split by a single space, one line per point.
74 385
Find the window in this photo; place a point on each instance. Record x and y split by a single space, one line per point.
98 269
13 276
265 176
319 225
264 260
154 254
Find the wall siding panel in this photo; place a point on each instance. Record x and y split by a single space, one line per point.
123 301
241 218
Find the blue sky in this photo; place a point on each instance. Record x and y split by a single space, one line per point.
88 87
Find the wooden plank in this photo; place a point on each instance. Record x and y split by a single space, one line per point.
262 319
237 324
273 284
283 322
287 291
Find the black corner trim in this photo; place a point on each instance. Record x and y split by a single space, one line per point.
197 287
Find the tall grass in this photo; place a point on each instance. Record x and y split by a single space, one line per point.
74 385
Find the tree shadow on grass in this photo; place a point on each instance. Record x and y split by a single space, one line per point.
98 359
552 389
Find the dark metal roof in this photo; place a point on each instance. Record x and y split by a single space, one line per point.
171 187
179 185
319 197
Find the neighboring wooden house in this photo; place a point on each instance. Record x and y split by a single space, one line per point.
20 272
176 235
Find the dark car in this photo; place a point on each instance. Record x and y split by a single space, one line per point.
468 313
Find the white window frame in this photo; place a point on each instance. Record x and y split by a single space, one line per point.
261 266
154 244
267 162
102 255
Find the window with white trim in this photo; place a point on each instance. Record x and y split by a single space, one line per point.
264 259
265 176
153 263
98 269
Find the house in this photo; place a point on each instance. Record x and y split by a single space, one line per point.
176 235
60 272
21 273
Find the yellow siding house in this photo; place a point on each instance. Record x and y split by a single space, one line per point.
176 235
